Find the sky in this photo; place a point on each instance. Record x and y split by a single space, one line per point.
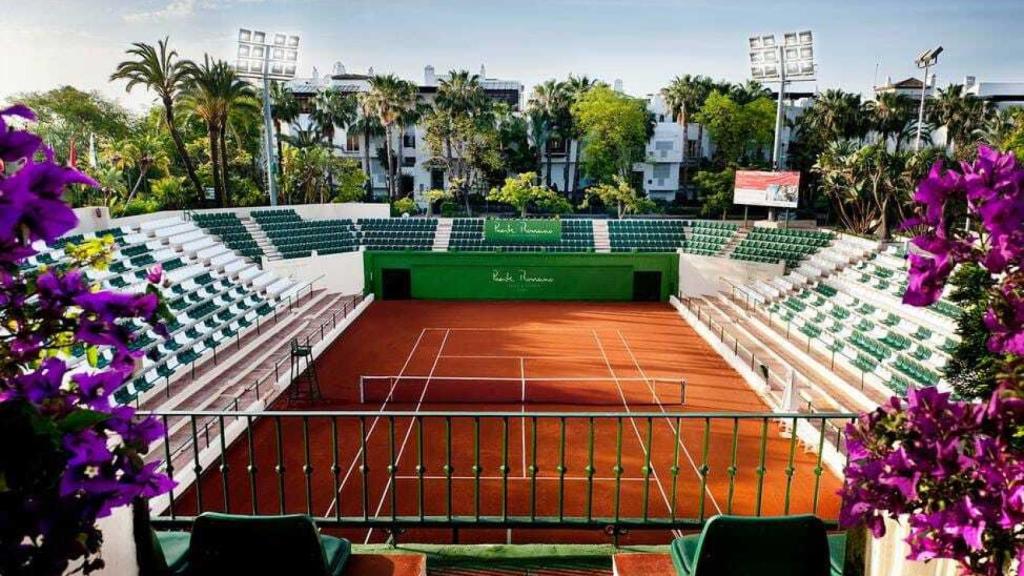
645 43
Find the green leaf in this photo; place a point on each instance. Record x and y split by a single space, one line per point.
81 419
92 356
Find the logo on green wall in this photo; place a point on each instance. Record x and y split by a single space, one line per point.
523 231
519 277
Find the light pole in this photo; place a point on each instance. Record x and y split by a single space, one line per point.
926 60
267 57
791 60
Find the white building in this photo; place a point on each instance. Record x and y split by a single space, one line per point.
415 175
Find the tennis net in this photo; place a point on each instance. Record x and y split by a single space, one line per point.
585 390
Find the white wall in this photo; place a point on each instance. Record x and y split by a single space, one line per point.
700 275
341 272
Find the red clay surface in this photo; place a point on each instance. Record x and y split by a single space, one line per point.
617 342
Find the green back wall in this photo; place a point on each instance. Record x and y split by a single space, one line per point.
521 276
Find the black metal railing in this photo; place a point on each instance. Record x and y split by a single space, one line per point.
395 470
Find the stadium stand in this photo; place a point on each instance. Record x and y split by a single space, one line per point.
775 244
297 238
230 230
854 317
693 236
397 233
213 292
468 236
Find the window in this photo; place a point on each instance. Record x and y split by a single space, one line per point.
353 142
691 149
408 161
409 139
661 171
556 146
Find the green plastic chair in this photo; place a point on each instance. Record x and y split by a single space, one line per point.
764 546
231 544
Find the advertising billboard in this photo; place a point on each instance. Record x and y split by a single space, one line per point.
775 189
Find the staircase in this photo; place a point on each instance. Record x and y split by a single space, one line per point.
261 239
602 242
442 235
734 241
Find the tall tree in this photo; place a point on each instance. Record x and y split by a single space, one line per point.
615 130
159 69
213 93
388 99
576 87
284 109
959 112
889 115
547 106
683 96
332 108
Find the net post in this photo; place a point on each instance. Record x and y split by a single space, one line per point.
362 389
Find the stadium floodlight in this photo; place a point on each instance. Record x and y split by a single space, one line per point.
926 60
791 60
266 57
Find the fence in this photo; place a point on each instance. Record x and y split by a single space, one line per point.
577 470
783 389
812 345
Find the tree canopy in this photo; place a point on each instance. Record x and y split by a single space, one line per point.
615 130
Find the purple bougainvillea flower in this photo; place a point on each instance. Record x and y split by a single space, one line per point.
17 144
938 187
19 110
42 384
927 279
87 448
94 388
135 431
155 274
110 306
42 217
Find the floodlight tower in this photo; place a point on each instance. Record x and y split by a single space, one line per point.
791 60
267 57
926 60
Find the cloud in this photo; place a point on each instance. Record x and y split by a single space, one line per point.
181 10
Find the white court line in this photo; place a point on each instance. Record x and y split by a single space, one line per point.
539 478
405 441
511 357
352 466
530 329
668 419
636 430
522 408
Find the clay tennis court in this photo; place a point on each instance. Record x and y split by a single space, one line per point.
586 359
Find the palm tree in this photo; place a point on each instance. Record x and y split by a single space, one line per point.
214 93
575 88
1000 127
141 153
284 109
748 92
368 125
889 114
546 106
332 108
683 96
836 115
159 69
388 99
960 113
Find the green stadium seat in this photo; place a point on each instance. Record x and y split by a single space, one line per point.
230 544
745 546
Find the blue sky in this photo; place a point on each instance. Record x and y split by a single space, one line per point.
644 42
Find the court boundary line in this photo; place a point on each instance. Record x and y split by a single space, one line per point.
668 420
408 433
373 425
636 430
